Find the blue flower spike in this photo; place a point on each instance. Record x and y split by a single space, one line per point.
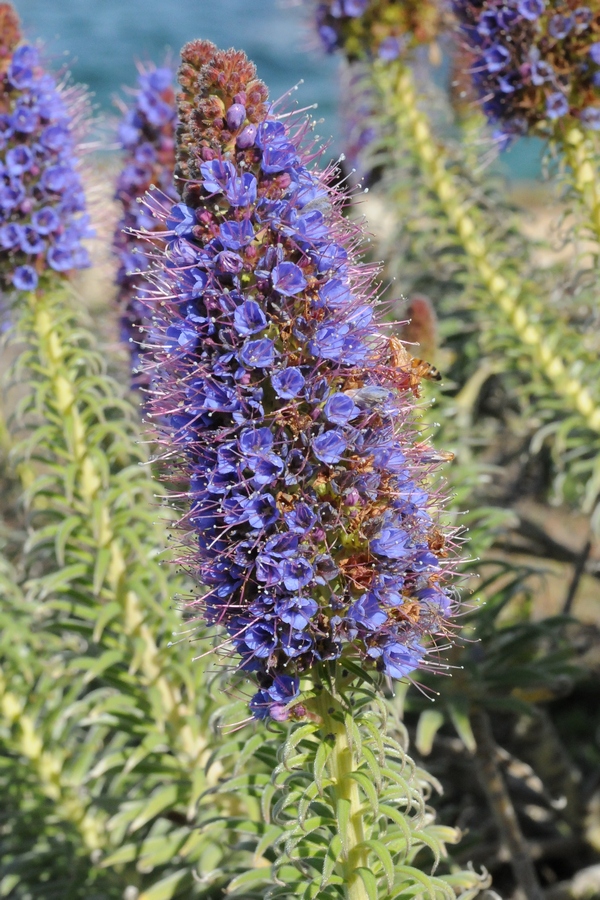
311 519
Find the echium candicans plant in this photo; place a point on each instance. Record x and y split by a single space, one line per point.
42 206
535 62
535 69
386 27
511 311
311 520
147 136
315 530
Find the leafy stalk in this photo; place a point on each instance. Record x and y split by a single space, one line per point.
92 562
90 490
400 99
581 155
352 806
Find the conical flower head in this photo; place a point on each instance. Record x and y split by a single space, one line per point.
147 137
41 197
382 29
311 521
535 64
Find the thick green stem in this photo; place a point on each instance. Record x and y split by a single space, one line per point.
582 160
400 99
343 762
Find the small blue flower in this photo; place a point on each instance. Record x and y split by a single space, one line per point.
557 105
393 543
595 52
390 48
241 189
335 294
496 57
340 409
249 318
297 573
355 8
559 26
329 447
288 383
216 174
367 612
235 235
531 9
25 278
287 279
590 117
258 354
181 220
399 660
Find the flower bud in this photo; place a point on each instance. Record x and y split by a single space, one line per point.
246 137
235 117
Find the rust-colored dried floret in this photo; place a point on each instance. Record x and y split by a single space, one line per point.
10 31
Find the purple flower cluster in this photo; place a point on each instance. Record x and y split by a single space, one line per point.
534 64
41 198
147 135
310 520
376 28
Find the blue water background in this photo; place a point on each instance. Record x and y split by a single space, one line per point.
100 41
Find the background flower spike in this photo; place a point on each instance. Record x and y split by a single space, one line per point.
147 137
42 205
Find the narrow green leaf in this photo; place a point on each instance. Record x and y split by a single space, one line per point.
342 814
126 853
271 834
428 726
369 789
384 857
106 614
161 799
166 888
100 568
369 881
321 756
63 533
248 880
414 875
460 719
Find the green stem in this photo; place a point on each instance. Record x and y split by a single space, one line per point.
48 764
400 99
91 497
343 762
582 159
